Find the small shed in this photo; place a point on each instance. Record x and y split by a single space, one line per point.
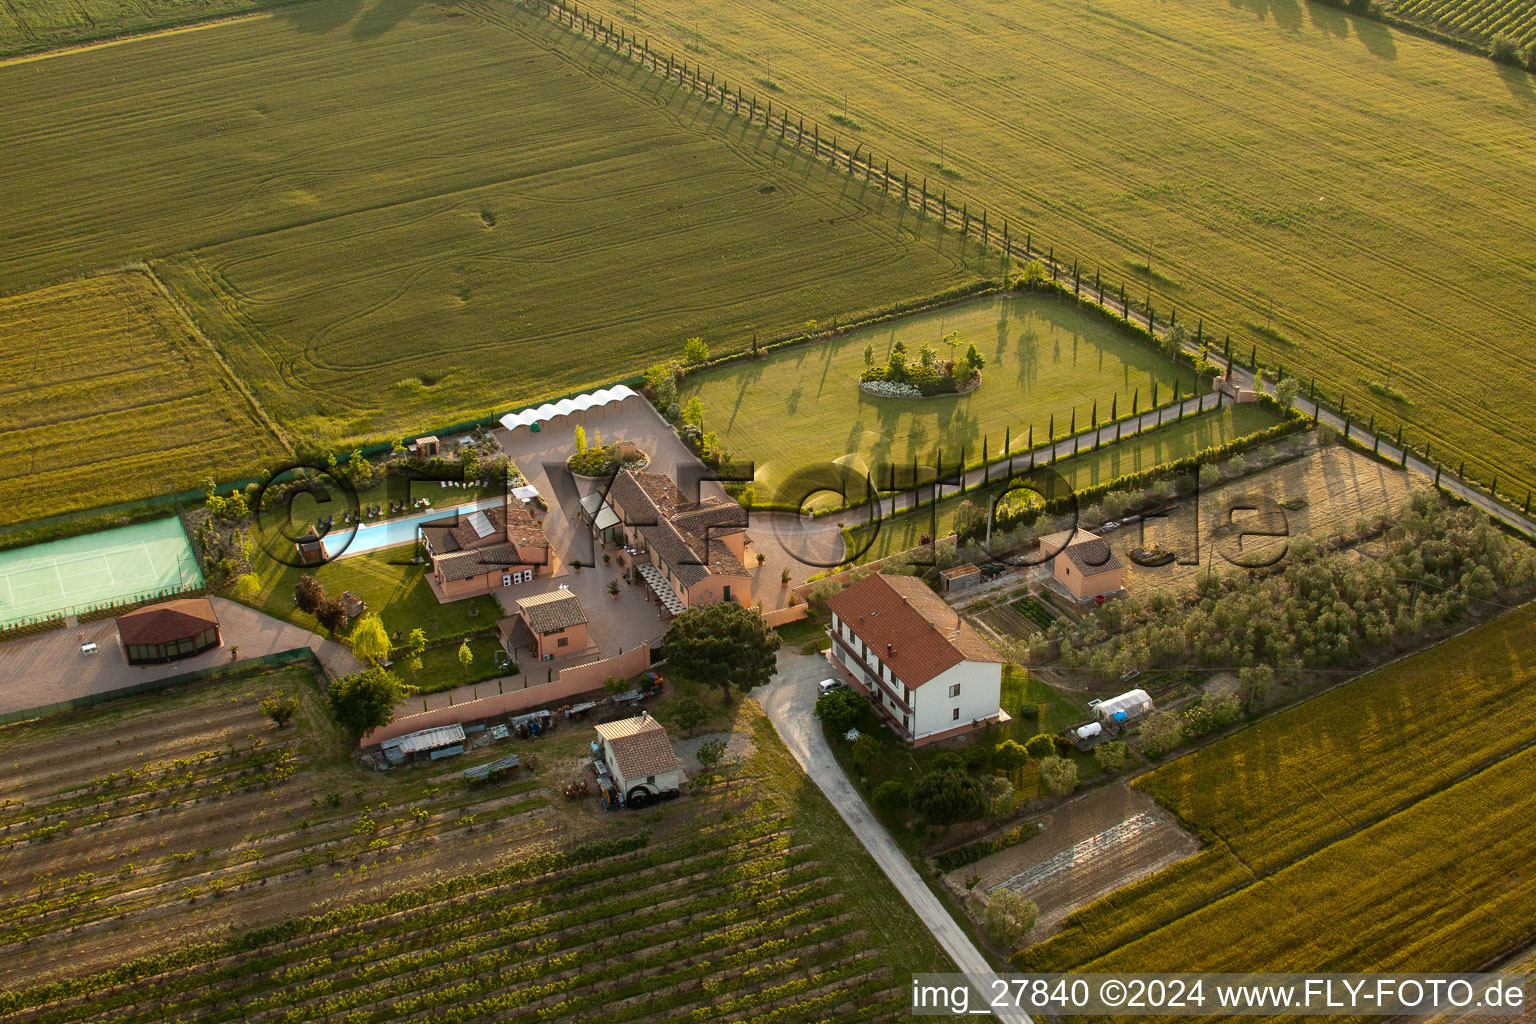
438 741
639 754
960 577
427 447
311 546
1127 707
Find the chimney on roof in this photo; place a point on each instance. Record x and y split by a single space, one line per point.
889 650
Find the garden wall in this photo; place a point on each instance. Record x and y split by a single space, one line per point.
571 682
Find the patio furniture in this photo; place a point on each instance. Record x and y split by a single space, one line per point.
89 648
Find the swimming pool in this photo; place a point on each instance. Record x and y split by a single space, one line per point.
400 530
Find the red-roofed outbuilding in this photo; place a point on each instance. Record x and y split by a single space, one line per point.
168 631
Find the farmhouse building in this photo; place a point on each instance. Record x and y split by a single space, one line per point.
556 623
640 757
690 553
481 552
1083 564
168 631
928 671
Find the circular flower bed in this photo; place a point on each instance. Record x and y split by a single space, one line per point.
607 459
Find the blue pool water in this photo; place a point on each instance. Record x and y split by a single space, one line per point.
400 530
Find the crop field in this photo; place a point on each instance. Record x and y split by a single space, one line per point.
1046 360
108 396
1477 20
404 218
1155 446
1318 815
1367 182
188 861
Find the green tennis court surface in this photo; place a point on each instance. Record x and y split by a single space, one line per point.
68 576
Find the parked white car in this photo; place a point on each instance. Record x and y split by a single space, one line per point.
828 685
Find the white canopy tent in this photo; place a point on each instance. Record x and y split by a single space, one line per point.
566 406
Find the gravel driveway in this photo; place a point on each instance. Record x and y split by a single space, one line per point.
788 701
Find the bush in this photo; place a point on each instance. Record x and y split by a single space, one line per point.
1112 756
280 708
890 798
1040 746
1009 917
947 795
839 709
695 351
970 853
1161 732
1505 50
1058 776
1529 55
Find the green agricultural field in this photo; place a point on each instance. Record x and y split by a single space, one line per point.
389 219
1371 184
1344 816
1153 447
1047 360
31 25
1477 20
108 395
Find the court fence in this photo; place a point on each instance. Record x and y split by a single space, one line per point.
275 660
59 618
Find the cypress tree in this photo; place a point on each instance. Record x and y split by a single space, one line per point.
1526 510
986 466
1437 474
1461 471
1253 359
1200 332
1073 428
1093 417
1399 435
1114 407
1154 394
1050 431
1135 401
1227 352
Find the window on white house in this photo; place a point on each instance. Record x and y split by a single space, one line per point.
954 716
954 691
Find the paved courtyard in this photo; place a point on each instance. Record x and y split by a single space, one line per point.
541 456
46 669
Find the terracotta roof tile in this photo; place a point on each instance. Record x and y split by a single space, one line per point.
167 621
552 612
640 747
1093 557
926 636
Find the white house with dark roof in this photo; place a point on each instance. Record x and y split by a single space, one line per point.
1084 564
640 757
690 552
927 670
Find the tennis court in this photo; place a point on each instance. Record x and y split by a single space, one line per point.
66 576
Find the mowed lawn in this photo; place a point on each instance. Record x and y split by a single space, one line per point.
1379 823
1153 447
413 216
1374 185
106 396
1047 359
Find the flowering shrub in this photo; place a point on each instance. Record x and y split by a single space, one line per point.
890 389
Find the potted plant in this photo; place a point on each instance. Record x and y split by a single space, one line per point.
613 588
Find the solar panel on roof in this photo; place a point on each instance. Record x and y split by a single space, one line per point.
480 524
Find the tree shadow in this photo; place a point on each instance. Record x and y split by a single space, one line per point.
1329 20
1286 13
1376 37
322 17
382 17
1518 82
